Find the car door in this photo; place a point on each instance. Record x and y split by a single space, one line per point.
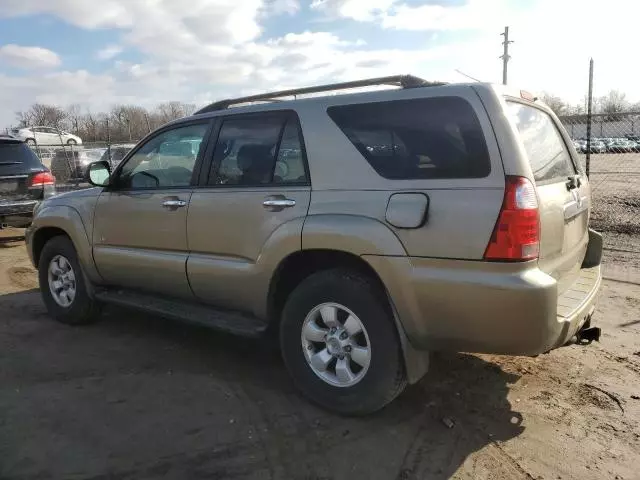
40 135
139 234
49 136
249 212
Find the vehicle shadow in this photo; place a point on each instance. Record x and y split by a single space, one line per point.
11 237
136 396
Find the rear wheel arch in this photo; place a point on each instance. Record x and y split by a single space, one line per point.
298 266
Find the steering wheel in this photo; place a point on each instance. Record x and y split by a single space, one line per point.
149 175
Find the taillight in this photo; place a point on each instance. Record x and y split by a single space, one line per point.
41 179
516 236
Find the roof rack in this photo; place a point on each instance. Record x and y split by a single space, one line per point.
404 81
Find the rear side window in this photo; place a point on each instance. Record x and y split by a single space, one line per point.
17 154
424 138
547 152
259 150
290 165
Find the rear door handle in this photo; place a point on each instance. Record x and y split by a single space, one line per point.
174 204
278 203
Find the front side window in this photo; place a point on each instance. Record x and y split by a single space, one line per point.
546 150
167 160
426 138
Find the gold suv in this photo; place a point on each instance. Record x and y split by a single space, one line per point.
364 230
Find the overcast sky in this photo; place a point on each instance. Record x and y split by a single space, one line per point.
98 53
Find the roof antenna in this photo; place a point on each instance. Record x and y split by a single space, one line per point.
468 76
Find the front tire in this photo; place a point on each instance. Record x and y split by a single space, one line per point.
30 142
63 285
71 142
340 344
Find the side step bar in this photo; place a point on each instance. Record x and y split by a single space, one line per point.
190 312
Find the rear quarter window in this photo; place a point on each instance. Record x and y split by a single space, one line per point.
424 138
548 155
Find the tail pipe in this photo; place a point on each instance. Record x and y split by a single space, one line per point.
588 334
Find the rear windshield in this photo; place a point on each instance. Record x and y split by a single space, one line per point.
16 154
436 137
547 152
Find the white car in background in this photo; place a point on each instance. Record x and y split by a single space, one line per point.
46 136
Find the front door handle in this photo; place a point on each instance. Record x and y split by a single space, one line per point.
173 204
277 203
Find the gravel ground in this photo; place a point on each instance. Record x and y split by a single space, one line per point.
615 185
138 397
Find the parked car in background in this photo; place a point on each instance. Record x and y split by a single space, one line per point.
608 141
46 136
580 146
441 217
24 181
116 153
597 146
621 145
636 140
71 165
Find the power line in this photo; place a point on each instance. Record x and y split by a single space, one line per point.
505 56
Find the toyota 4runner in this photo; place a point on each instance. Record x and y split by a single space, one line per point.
363 230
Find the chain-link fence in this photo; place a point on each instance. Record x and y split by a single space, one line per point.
613 156
68 162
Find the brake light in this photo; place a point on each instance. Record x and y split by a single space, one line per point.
527 96
516 236
41 179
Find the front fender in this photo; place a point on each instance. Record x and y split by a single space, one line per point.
352 234
68 220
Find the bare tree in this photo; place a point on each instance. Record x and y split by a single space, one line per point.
614 102
174 110
74 113
42 115
559 106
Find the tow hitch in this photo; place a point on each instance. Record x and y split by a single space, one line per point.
588 335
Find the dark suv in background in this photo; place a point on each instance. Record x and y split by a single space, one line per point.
24 181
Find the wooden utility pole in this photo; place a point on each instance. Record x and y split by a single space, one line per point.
505 56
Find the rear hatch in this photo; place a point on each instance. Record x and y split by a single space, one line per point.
563 193
18 164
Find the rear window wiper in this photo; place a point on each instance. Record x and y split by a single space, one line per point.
11 163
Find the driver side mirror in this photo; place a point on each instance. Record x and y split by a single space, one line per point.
98 173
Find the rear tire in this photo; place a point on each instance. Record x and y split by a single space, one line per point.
63 284
71 142
361 390
30 142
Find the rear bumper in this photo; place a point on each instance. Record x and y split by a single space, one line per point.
17 214
485 307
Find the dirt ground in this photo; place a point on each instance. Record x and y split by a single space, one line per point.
138 397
